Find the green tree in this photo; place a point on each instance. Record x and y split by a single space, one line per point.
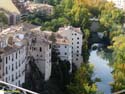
118 48
3 19
82 83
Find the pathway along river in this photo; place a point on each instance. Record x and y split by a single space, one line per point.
101 70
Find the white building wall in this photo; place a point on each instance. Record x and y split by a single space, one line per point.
14 66
77 48
65 53
75 39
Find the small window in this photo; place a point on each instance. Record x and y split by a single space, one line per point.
12 77
16 65
65 46
34 48
58 53
9 57
19 63
6 70
77 42
75 34
78 38
40 49
16 55
77 46
76 59
19 82
6 60
77 51
65 53
12 67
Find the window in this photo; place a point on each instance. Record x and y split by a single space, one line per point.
77 55
65 53
77 46
76 59
19 51
6 70
77 51
40 49
75 34
16 65
77 42
6 60
9 67
12 67
65 46
16 76
19 82
19 63
16 55
0 59
78 38
34 48
12 77
9 57
50 46
58 53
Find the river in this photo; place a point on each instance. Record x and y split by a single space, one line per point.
103 71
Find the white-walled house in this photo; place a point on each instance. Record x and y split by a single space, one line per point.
62 45
74 35
13 54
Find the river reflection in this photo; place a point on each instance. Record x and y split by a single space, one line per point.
103 71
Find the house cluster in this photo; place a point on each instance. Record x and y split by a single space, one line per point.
22 42
14 10
19 44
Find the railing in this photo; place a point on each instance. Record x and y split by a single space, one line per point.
119 92
25 91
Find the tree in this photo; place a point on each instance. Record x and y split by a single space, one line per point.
3 19
110 15
81 83
118 48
